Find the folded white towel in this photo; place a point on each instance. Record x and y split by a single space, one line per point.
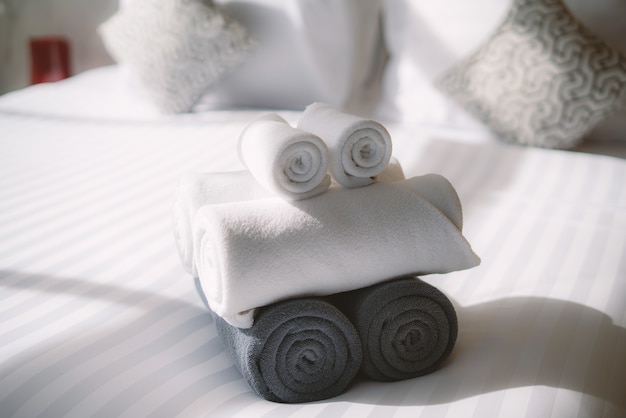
287 161
198 189
360 148
249 254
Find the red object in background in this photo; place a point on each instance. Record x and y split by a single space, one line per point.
50 59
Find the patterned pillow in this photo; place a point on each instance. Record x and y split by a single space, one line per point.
541 79
176 49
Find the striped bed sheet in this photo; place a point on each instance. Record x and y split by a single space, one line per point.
98 318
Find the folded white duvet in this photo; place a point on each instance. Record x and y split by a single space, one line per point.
360 148
251 253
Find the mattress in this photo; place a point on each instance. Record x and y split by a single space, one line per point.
98 317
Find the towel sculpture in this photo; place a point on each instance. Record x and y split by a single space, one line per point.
360 148
276 269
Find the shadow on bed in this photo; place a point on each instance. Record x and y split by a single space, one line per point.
523 342
108 336
502 344
83 288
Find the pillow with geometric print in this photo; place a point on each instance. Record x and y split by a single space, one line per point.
175 49
542 79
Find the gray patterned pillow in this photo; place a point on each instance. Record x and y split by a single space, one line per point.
176 48
541 79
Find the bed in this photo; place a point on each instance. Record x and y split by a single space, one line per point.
99 318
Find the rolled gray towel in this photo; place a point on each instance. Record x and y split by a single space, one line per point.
407 327
300 350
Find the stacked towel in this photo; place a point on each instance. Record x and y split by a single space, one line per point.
252 253
440 192
287 161
266 244
407 327
198 189
360 148
300 350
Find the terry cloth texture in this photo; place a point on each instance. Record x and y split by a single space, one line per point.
198 189
253 253
360 148
300 350
407 327
287 161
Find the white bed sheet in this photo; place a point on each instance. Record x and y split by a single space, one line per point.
98 318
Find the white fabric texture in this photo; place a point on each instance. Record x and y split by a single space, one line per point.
199 188
287 161
99 319
325 50
360 148
252 253
175 49
423 39
426 38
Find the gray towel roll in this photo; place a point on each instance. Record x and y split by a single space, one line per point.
407 327
300 350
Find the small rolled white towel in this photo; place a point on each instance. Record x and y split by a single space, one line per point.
360 148
287 161
198 189
253 253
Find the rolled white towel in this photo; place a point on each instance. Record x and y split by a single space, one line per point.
287 161
360 148
253 253
198 189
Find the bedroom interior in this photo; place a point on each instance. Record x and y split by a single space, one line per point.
313 208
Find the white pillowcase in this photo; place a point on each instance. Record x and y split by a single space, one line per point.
175 49
425 38
324 50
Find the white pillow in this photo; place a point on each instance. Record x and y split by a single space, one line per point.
541 79
175 49
324 50
425 38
